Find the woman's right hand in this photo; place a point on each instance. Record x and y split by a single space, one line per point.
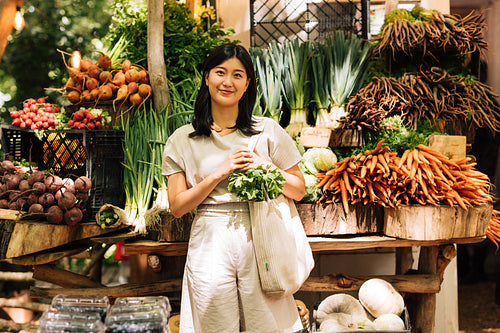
240 159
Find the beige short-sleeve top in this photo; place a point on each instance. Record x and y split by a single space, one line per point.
200 156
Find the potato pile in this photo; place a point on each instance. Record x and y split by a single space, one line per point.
38 192
103 81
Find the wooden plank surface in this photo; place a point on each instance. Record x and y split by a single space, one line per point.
317 244
28 237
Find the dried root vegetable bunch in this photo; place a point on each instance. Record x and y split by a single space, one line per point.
420 176
425 95
437 32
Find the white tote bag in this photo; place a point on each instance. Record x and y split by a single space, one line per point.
284 256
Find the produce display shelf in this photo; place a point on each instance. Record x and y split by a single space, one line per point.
97 154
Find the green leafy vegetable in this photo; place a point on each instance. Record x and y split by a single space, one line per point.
257 184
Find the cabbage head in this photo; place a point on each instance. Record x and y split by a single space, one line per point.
319 159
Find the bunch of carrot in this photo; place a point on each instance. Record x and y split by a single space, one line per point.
420 176
493 231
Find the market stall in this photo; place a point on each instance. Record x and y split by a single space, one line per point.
375 181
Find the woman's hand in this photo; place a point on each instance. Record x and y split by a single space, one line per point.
240 159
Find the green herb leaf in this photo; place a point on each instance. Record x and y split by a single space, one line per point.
257 184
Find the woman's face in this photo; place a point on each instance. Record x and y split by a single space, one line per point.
227 83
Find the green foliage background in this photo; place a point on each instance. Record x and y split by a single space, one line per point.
187 41
31 62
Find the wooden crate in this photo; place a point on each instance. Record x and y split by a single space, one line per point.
429 222
330 219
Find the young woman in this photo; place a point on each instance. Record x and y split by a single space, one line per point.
221 289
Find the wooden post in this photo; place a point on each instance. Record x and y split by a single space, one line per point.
404 259
424 312
156 60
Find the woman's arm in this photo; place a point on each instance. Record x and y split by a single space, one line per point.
182 199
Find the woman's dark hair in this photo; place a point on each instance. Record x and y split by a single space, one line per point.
202 108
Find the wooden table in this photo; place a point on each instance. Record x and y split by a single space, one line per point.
422 284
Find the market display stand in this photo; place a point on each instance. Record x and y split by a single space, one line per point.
422 284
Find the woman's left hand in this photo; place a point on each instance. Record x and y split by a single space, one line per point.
257 160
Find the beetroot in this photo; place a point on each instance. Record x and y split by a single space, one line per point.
33 198
13 181
69 185
53 183
7 166
36 176
4 203
67 200
55 214
82 197
24 185
73 216
35 208
83 184
39 188
47 199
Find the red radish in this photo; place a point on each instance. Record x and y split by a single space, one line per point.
47 199
55 214
83 184
73 96
144 90
78 115
73 216
126 64
104 61
35 208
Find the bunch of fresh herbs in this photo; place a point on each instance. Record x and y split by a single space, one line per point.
257 184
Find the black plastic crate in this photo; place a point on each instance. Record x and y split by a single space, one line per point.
18 143
97 154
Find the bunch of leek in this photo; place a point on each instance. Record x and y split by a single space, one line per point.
269 87
346 66
295 87
145 136
320 92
